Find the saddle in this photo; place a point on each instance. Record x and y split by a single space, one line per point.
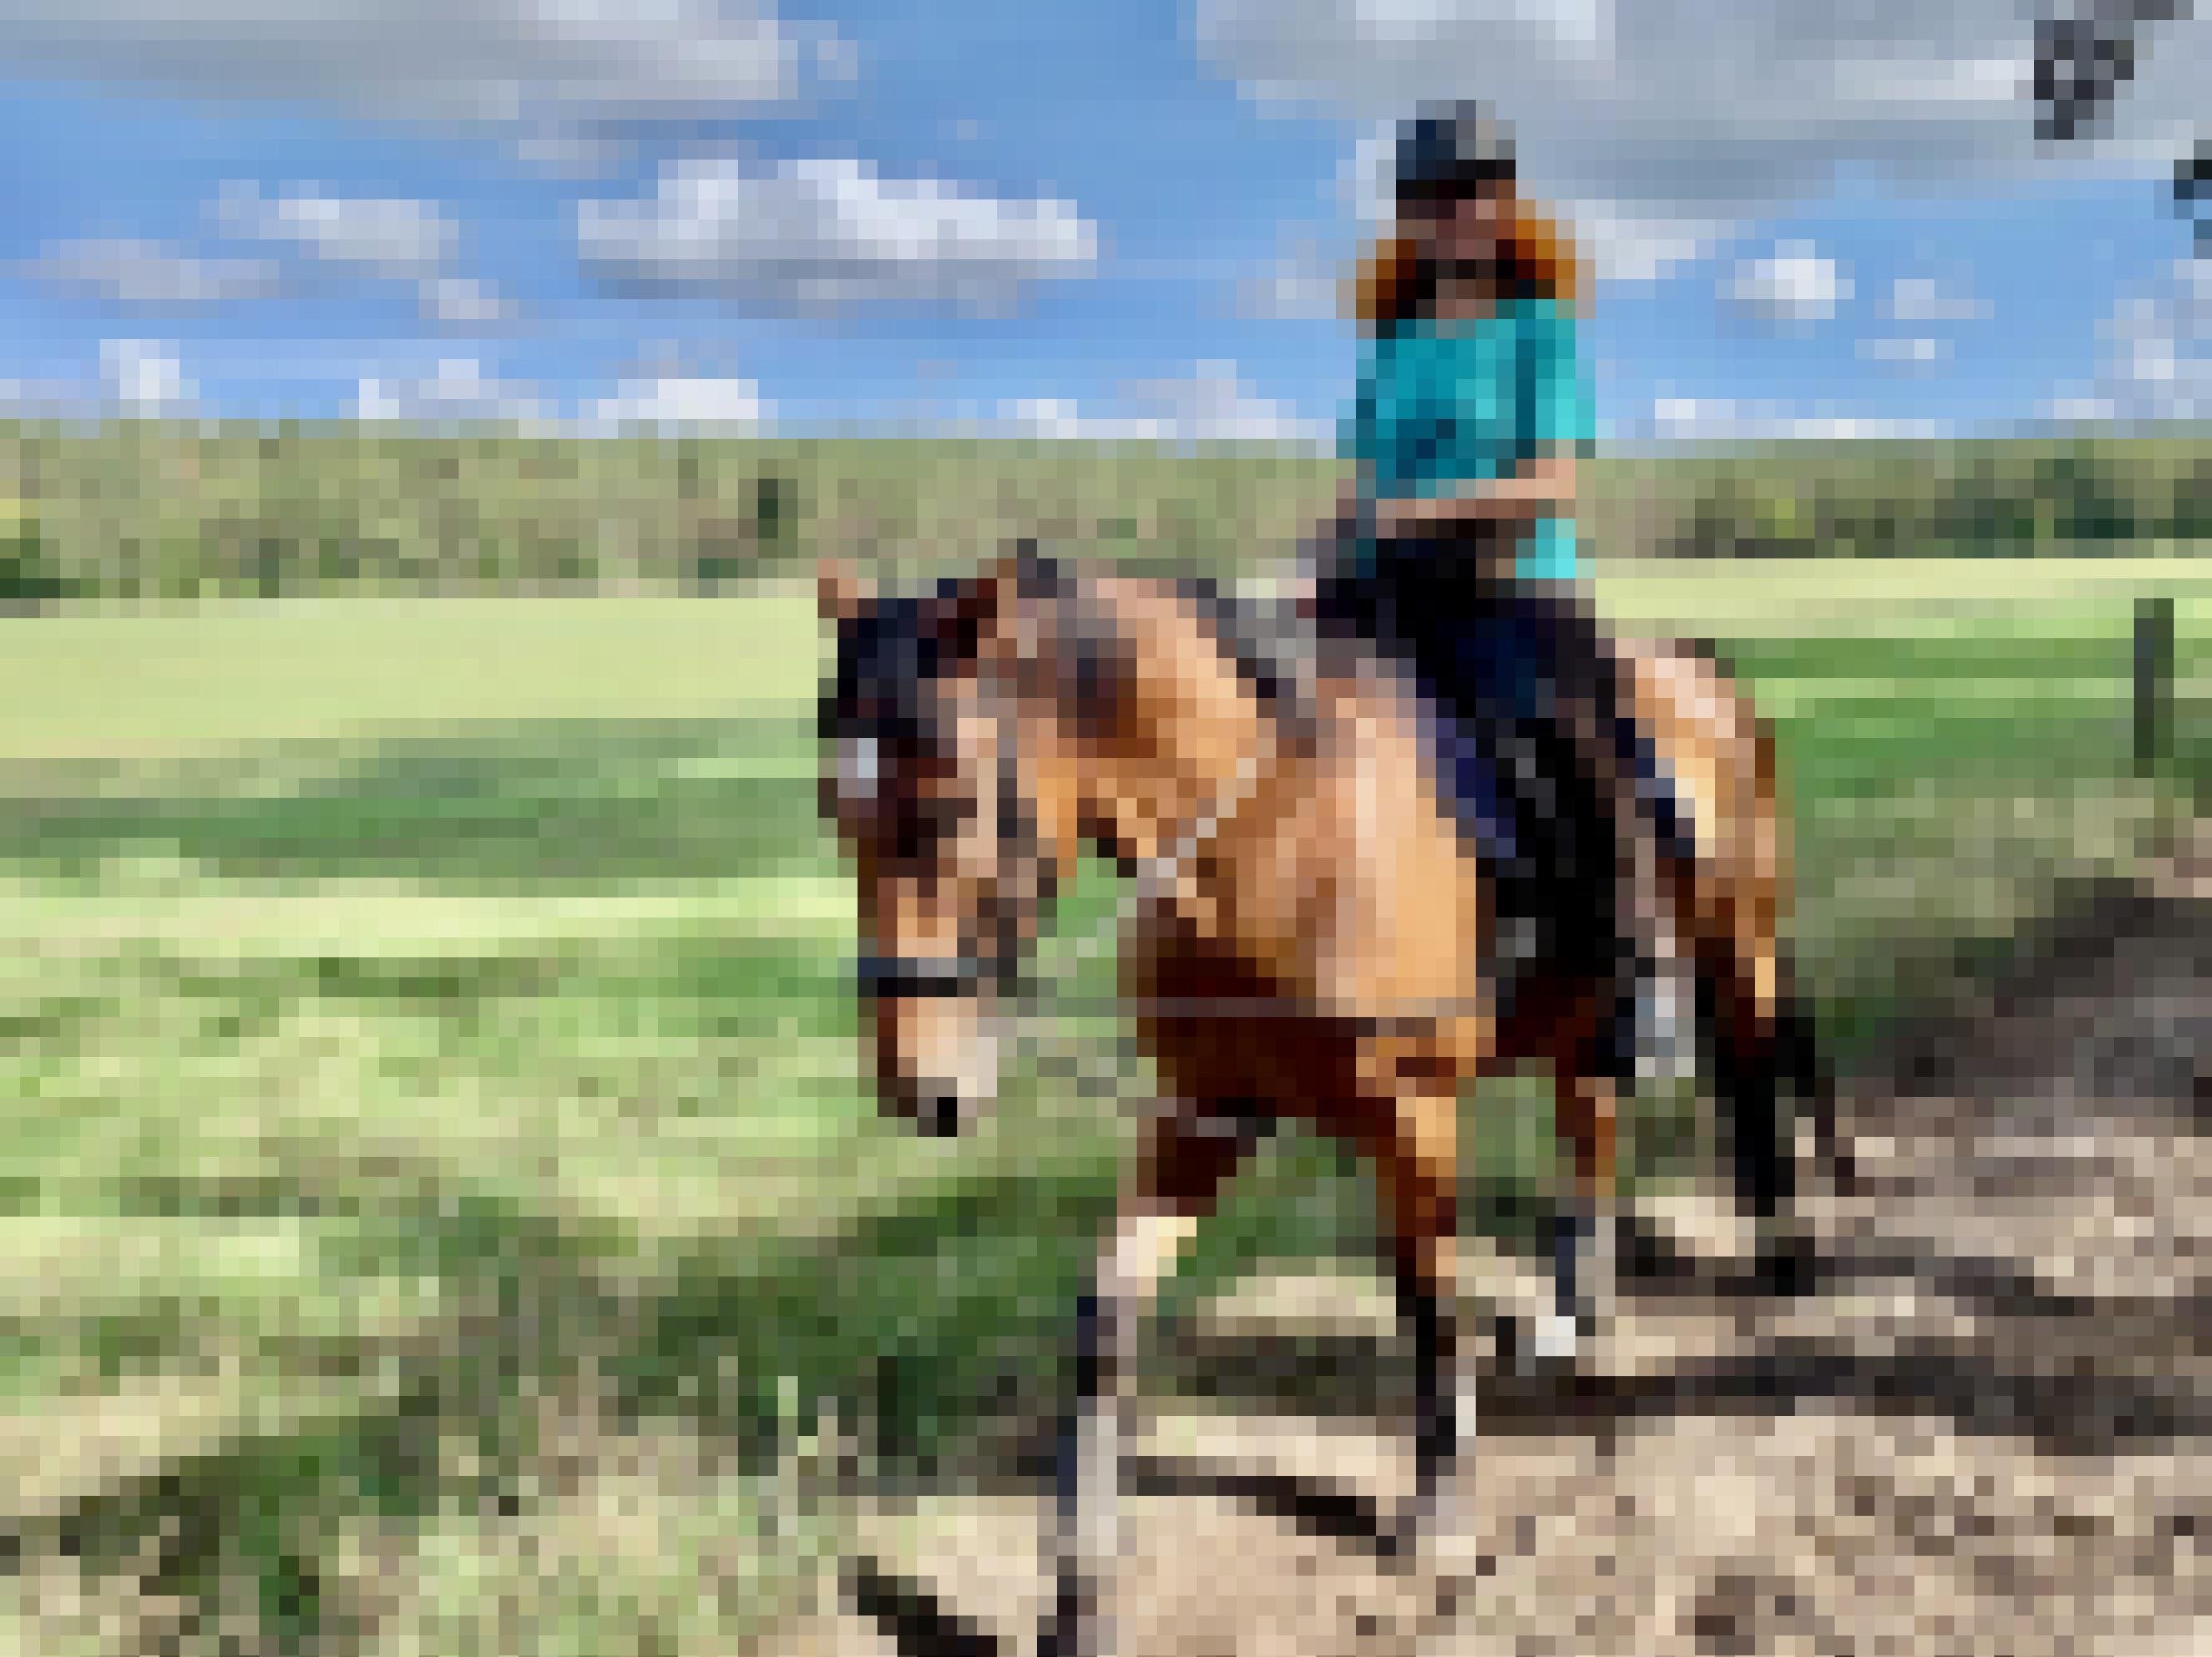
1500 778
1517 788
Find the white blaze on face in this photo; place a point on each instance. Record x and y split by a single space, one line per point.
952 1047
858 772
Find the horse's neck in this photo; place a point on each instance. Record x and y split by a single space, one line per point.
1174 770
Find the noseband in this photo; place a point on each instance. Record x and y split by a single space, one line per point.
942 978
915 977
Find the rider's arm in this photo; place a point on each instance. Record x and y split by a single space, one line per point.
1539 487
1552 421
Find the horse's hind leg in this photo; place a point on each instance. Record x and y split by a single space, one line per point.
1586 1223
1760 1044
1188 1155
1812 1080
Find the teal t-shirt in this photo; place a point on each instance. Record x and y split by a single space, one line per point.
1442 405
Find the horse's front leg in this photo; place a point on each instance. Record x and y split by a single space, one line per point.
1189 1155
1416 1163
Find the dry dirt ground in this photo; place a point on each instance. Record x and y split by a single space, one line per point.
1987 1427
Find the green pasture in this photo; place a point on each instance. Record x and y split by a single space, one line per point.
441 1186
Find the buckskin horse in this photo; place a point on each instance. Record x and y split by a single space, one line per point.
1313 939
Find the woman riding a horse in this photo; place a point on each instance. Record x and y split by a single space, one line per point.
1295 953
1455 550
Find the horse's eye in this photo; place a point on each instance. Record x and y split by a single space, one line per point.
860 767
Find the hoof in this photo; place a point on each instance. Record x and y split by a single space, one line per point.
1787 1265
1408 1541
1073 1628
1841 1168
1548 1345
1439 1552
1398 1544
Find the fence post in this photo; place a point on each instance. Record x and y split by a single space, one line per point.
2153 697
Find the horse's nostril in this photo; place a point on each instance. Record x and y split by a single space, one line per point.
939 1114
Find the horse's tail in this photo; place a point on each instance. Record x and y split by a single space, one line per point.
1744 1065
1808 1065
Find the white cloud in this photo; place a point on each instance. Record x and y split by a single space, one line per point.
1724 420
459 390
149 276
1661 123
31 399
1059 417
2156 360
1625 248
570 155
389 237
2098 409
817 235
37 400
1303 286
1211 405
143 377
540 62
1923 299
135 378
381 238
464 303
1796 285
680 402
1904 353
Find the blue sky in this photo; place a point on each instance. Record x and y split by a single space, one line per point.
1130 213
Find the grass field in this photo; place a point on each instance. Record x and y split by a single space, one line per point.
440 1182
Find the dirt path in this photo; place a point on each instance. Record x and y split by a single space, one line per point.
1988 1430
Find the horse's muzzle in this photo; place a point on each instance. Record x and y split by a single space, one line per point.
940 1114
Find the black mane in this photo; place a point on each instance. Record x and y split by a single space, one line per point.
898 649
890 656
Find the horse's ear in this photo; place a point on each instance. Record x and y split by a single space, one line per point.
841 590
1009 581
1035 576
1019 577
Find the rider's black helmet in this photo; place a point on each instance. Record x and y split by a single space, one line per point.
1453 147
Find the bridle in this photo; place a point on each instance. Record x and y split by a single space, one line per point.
991 975
914 977
996 971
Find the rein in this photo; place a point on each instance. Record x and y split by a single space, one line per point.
1017 1002
902 976
1020 1004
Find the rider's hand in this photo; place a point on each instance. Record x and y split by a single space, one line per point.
1354 509
1399 517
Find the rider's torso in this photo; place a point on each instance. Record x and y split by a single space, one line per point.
1444 402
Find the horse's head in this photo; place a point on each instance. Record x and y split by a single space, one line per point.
937 738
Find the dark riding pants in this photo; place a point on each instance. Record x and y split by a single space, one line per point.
1527 685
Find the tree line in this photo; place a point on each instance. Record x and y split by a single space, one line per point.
148 510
